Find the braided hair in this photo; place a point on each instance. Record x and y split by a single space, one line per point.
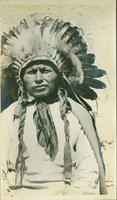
20 162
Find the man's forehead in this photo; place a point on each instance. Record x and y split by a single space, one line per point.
42 64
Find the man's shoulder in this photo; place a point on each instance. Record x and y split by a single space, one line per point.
9 111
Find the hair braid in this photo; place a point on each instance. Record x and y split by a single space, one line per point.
20 162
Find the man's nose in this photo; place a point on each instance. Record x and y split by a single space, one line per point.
39 77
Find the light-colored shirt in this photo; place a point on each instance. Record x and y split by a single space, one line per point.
40 171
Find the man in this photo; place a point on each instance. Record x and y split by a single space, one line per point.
50 132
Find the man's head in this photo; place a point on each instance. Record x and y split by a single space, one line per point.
40 79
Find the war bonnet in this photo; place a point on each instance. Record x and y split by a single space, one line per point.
60 42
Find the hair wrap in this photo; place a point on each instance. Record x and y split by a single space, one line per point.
64 108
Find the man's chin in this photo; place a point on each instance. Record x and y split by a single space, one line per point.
40 95
46 97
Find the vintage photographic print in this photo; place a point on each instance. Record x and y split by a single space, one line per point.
57 120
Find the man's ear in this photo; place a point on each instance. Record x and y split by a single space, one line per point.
60 80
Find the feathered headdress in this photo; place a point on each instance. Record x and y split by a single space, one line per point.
60 42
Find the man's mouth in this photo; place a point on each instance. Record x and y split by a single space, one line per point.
40 87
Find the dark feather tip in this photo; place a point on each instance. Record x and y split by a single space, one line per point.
94 83
87 58
94 73
85 92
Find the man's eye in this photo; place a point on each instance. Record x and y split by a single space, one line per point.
31 72
45 71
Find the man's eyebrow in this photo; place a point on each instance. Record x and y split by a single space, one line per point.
31 68
45 67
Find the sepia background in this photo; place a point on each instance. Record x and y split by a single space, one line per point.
97 20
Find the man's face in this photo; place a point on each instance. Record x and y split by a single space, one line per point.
40 80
